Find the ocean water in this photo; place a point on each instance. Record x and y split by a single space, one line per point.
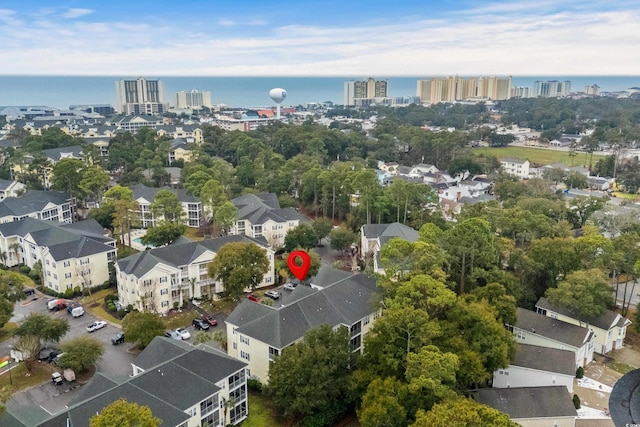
62 91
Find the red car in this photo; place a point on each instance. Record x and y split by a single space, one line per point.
210 320
253 298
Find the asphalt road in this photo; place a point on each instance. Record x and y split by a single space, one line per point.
628 292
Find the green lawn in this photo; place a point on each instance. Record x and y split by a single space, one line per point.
19 380
620 367
539 156
7 331
262 413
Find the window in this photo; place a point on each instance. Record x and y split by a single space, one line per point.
553 315
268 280
245 356
235 345
67 264
211 420
365 321
164 304
84 261
209 405
67 275
164 291
163 279
236 380
521 335
47 262
55 276
244 340
273 352
238 413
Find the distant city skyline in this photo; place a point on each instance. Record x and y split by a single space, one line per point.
307 38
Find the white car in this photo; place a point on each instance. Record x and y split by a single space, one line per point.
272 294
184 334
173 335
96 325
290 286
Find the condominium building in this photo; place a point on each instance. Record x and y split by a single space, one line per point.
551 88
144 196
456 88
521 92
370 88
140 96
193 98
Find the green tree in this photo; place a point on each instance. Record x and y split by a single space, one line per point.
212 196
80 353
225 217
142 328
322 227
67 174
239 265
383 404
93 181
584 292
195 182
303 236
35 330
167 206
124 414
162 234
318 392
120 199
340 239
462 412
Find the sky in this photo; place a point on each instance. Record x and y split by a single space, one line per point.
319 38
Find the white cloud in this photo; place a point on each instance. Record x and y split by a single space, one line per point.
72 13
495 39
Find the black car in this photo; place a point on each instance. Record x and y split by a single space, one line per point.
200 324
117 339
29 291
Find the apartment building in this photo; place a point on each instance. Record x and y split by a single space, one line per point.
260 215
257 333
551 88
193 99
144 195
369 89
140 96
72 255
56 206
516 167
155 279
456 88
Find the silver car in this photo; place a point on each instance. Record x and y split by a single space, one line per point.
272 294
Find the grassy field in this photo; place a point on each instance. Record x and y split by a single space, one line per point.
539 156
261 413
19 379
7 330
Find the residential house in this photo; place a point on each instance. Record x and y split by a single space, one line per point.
467 188
535 366
183 385
11 188
144 195
599 183
260 215
515 167
179 150
531 406
46 205
257 333
374 236
537 329
423 168
71 255
610 329
157 279
189 133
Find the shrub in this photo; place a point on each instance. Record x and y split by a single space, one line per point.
110 297
68 293
112 307
576 401
24 269
254 385
580 372
175 305
129 308
77 291
121 313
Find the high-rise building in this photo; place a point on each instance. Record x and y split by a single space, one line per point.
455 88
551 88
140 96
369 89
594 89
521 92
194 98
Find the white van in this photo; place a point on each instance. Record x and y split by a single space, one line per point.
77 311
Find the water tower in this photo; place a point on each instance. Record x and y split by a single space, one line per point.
278 95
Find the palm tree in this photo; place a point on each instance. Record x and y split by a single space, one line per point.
15 247
3 257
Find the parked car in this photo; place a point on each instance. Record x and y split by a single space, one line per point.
272 294
253 298
200 324
184 334
96 325
118 339
29 291
77 311
48 354
290 286
69 375
71 306
210 320
56 378
173 335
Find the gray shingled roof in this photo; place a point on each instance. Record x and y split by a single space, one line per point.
63 242
183 376
31 201
608 320
387 232
57 154
528 402
557 330
343 302
148 193
259 208
179 254
545 359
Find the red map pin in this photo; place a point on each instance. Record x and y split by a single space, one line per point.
299 269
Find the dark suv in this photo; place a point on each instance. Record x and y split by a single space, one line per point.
200 324
117 339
